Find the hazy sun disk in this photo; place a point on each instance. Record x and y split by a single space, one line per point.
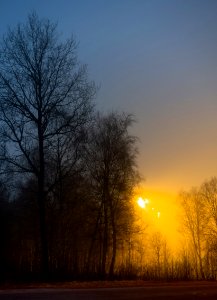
161 211
142 202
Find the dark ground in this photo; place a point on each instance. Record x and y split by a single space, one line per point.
163 291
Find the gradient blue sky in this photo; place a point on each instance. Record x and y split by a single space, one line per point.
156 59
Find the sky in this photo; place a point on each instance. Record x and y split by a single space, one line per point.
156 59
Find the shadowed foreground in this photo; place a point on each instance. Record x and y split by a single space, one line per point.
153 291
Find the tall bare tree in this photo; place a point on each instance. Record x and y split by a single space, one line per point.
111 157
209 196
195 221
45 96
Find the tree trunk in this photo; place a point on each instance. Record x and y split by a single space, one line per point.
93 240
114 250
43 232
42 208
105 243
114 241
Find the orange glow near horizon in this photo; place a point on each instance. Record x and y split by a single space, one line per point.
159 209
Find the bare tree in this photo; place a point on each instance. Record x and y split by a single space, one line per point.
157 244
195 221
44 97
209 196
110 160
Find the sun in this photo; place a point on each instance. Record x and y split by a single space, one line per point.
159 210
142 202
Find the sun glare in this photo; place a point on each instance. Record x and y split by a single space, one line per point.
142 202
158 209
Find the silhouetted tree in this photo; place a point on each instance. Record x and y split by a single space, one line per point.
110 158
45 101
195 221
24 230
209 197
157 244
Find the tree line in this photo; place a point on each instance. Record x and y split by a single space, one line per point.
199 221
68 175
67 172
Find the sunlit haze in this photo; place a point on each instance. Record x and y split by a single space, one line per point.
160 212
